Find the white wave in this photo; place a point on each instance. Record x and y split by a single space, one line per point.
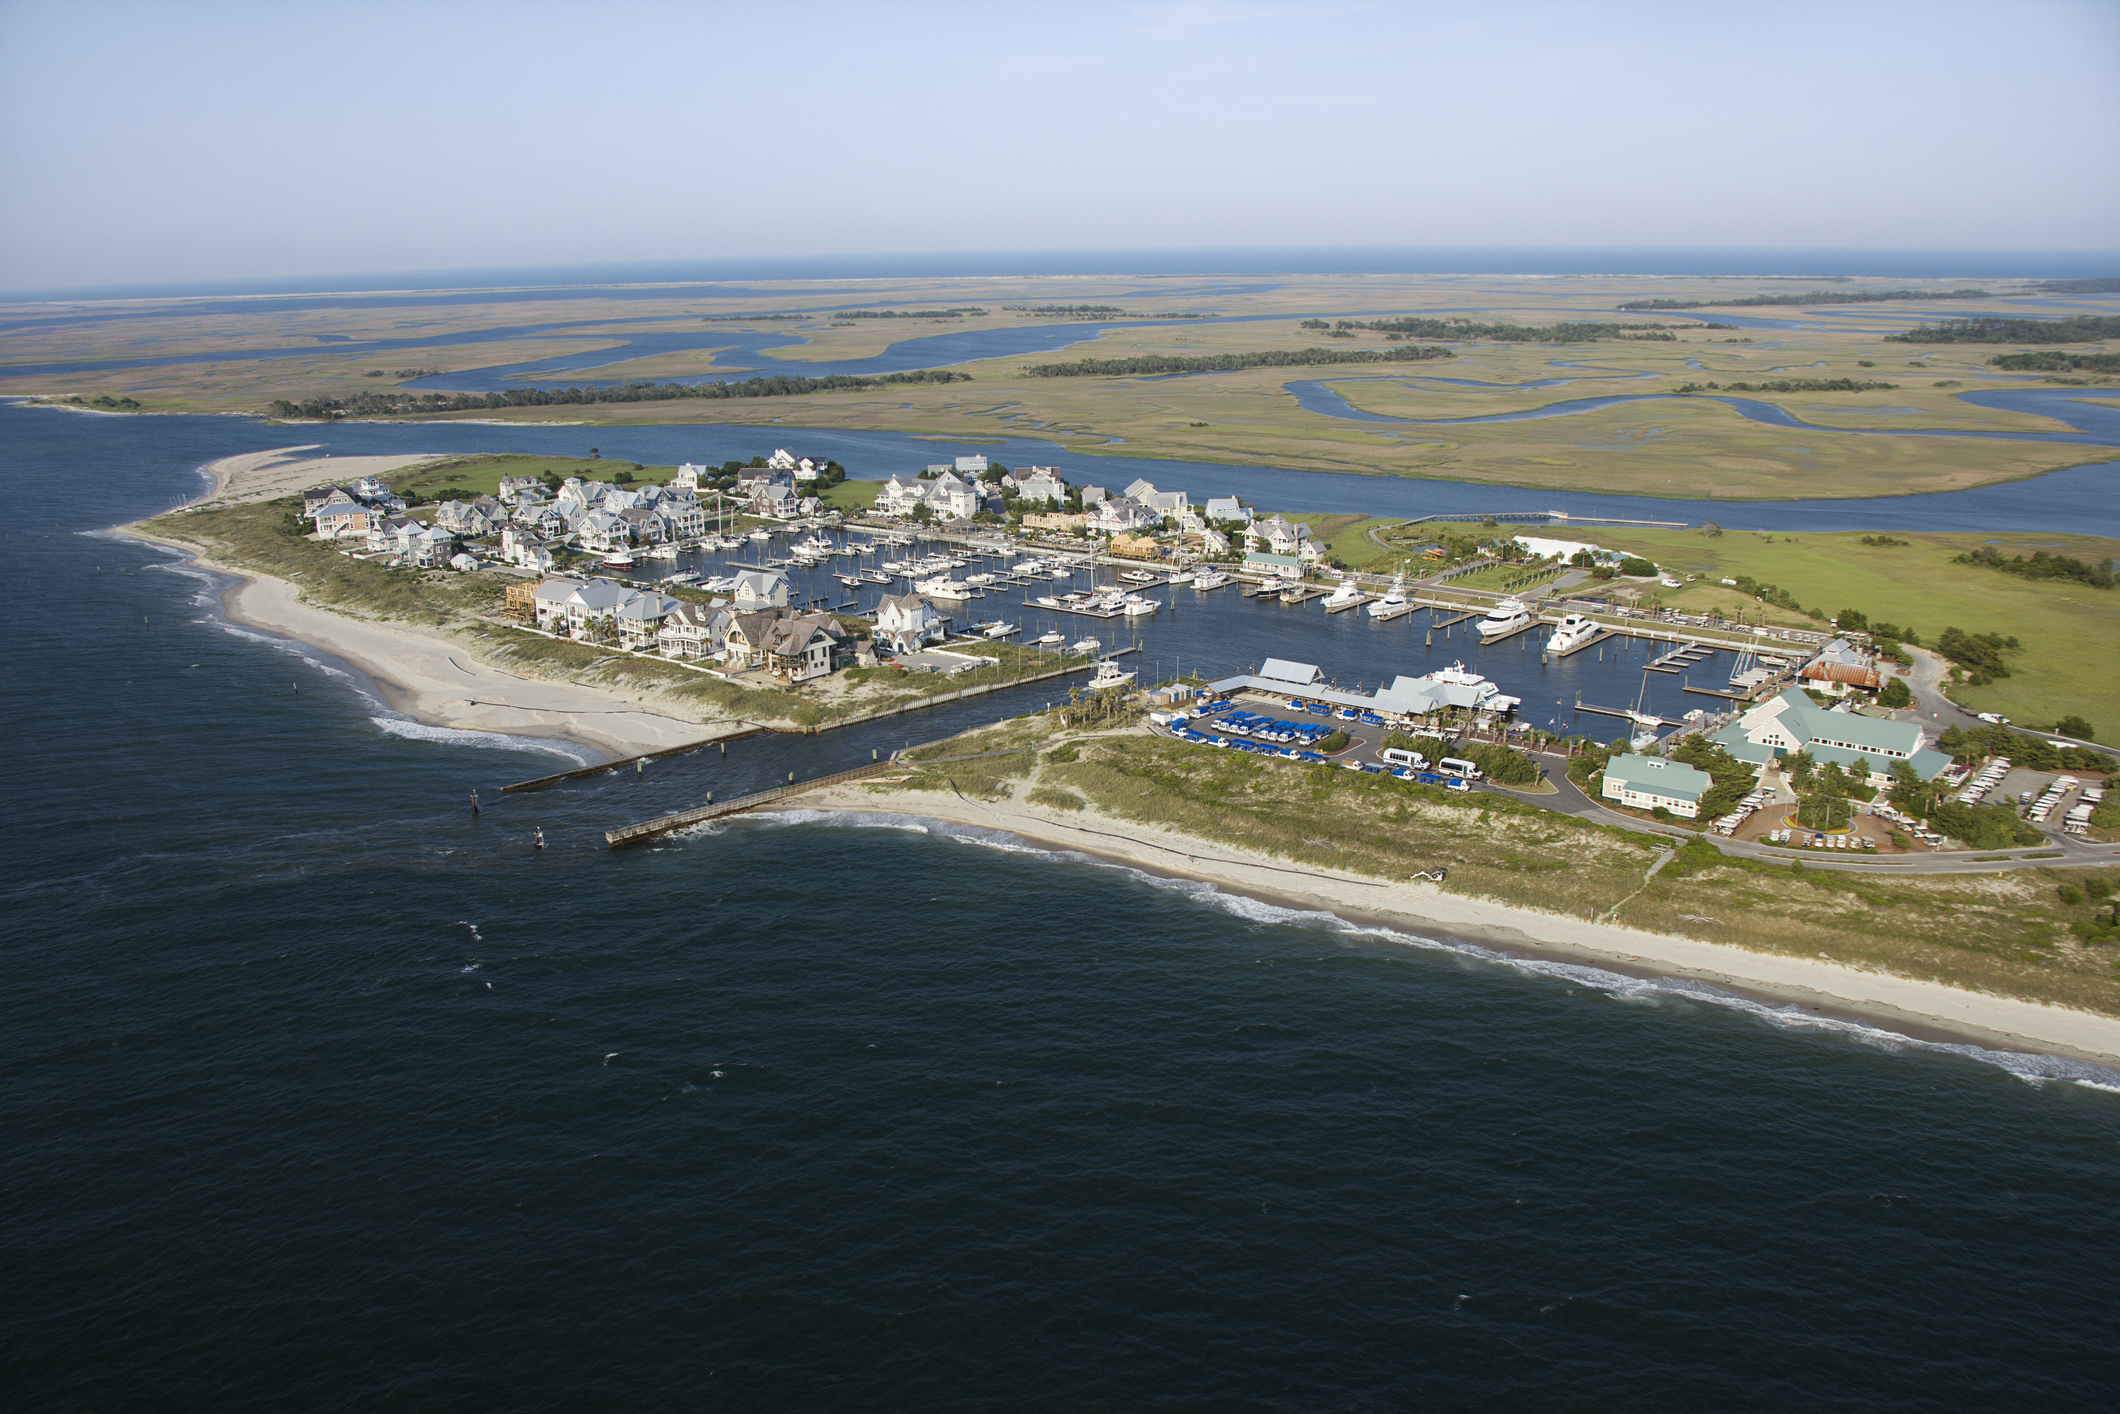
458 736
292 649
2025 1065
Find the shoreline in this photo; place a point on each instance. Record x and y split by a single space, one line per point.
1925 1012
423 673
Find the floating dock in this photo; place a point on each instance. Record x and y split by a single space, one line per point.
1628 713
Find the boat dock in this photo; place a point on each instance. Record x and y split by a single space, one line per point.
1358 599
1628 714
1435 609
1301 593
1679 658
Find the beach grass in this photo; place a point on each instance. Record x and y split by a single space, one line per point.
2005 933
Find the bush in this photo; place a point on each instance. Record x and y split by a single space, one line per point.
2076 727
1636 567
1895 694
2070 894
1335 742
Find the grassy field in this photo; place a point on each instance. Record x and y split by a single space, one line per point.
2005 933
1680 448
2067 629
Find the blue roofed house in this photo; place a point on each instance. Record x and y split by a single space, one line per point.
1867 746
1645 782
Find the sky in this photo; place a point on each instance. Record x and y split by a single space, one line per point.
188 140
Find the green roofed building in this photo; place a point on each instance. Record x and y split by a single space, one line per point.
1646 782
1868 746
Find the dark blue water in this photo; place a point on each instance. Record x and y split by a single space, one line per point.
322 1094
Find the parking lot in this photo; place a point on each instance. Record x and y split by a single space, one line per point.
1293 733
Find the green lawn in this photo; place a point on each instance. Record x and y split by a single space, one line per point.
482 475
2066 666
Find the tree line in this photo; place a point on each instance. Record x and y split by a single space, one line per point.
2057 361
2041 566
1229 363
1566 333
1814 297
2076 329
384 404
1789 385
958 313
2102 285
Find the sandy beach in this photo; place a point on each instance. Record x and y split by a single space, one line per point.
425 674
1923 1010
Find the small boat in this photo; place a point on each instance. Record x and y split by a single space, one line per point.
1505 617
1050 639
1139 577
659 552
1209 579
1084 645
618 560
1182 577
761 535
1000 630
1135 605
1109 675
874 577
851 581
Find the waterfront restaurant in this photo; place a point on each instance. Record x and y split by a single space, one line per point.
1645 782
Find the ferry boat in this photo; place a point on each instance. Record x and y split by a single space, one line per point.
1505 617
1109 674
1394 598
1346 596
1571 633
1486 697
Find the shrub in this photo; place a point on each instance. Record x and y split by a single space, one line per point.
2076 727
2070 894
1636 567
1895 694
1335 742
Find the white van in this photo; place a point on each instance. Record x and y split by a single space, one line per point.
1457 766
1400 756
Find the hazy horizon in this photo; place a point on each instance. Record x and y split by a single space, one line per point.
219 142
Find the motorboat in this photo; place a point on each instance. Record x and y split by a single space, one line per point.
874 577
618 560
1109 675
761 535
1084 645
1505 617
659 552
1209 579
1345 596
1000 630
1136 605
1052 638
942 588
851 581
1572 633
1394 599
1181 577
1138 577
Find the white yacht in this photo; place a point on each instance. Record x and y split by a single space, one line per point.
1134 604
761 535
1474 691
1505 617
1394 598
1571 633
1109 674
1346 596
942 588
999 630
1084 645
1210 579
1181 577
1051 638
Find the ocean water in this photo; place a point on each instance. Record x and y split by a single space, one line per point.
322 1093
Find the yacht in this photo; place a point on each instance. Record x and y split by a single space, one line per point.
1000 630
851 581
980 581
1393 601
1571 633
1505 617
941 587
1084 645
618 560
1051 638
1138 577
761 535
1209 579
1109 675
874 577
1134 604
1475 692
1346 596
1182 577
659 552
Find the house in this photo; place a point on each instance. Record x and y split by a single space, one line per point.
644 525
1042 483
570 605
603 532
907 622
974 465
690 476
953 498
681 519
463 563
761 589
1117 514
1867 746
774 498
781 460
1223 509
801 647
431 548
1093 494
1645 782
322 496
1213 542
1841 666
336 521
470 518
515 487
640 619
898 498
1278 536
386 532
1163 503
1134 547
694 630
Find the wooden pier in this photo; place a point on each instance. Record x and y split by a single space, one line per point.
1627 713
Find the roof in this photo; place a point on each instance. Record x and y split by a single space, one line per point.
1282 670
1653 775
